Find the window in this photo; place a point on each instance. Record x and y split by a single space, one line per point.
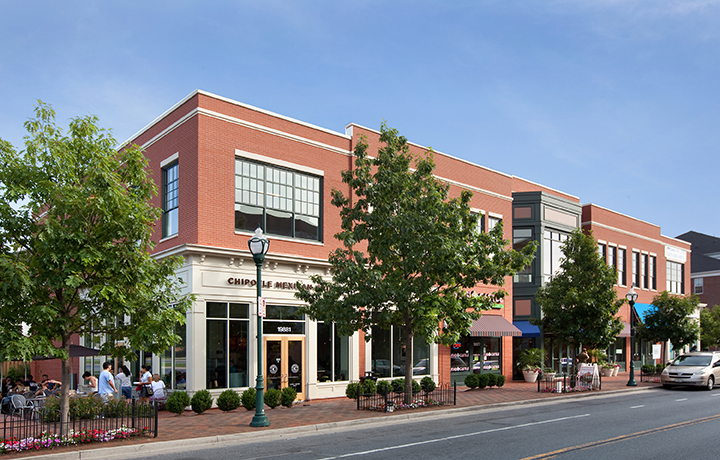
389 353
698 287
521 238
283 319
602 250
652 272
636 268
281 201
675 277
622 277
333 357
644 277
173 364
227 344
552 252
493 221
480 220
170 200
612 257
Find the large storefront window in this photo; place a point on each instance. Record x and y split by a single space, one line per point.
333 357
616 352
173 365
389 353
282 201
227 342
478 355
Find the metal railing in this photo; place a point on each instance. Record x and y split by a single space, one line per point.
390 401
564 383
32 423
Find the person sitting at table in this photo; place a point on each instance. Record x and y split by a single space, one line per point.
19 387
45 391
7 386
50 382
158 388
30 383
92 381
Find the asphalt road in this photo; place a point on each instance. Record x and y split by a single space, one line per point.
654 424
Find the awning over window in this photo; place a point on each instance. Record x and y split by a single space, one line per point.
626 330
493 326
643 309
527 329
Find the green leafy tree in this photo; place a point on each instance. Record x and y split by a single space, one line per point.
75 240
710 327
410 253
671 320
579 303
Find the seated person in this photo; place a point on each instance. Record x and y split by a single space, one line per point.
30 383
50 382
91 381
19 387
45 390
158 387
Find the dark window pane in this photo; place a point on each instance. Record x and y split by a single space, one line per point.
279 223
239 310
381 362
216 309
248 217
284 312
216 371
306 227
238 354
324 352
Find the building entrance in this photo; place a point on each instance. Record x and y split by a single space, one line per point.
285 364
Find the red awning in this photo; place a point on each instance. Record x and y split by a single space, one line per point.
626 330
493 326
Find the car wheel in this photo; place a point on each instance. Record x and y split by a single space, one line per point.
710 383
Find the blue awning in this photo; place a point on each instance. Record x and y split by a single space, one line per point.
642 309
527 329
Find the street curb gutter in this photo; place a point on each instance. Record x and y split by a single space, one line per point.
145 449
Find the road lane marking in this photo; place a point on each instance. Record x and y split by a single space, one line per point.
637 407
625 437
682 399
458 436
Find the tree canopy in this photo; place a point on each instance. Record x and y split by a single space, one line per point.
75 240
579 303
671 320
710 327
410 253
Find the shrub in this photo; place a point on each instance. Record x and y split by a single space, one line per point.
398 385
384 387
368 387
177 402
492 379
228 400
416 388
427 384
659 368
288 396
352 390
248 398
272 398
483 380
500 380
471 381
201 401
116 408
647 368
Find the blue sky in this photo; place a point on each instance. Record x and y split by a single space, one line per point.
614 101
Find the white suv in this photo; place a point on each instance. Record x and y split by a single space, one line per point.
693 369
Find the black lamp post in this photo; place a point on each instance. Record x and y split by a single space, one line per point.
632 297
258 248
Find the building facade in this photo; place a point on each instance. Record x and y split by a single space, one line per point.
705 276
222 167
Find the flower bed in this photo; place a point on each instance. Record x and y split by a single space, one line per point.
49 440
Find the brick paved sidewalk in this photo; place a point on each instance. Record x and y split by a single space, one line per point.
217 423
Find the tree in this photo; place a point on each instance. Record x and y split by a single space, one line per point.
579 303
710 327
410 254
75 228
671 320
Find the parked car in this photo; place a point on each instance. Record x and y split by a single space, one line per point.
381 367
693 369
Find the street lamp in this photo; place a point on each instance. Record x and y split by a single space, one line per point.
632 297
258 248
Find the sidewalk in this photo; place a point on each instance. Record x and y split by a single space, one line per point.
214 422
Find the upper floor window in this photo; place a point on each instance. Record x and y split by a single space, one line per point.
602 250
622 276
652 272
675 277
698 286
170 200
281 201
552 252
644 276
636 268
493 221
521 238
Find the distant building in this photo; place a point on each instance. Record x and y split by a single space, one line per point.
705 276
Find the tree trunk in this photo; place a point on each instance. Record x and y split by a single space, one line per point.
65 389
408 364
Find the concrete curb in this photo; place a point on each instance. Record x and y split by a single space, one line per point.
129 450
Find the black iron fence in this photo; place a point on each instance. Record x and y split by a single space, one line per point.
386 400
41 425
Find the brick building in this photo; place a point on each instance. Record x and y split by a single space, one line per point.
705 274
222 166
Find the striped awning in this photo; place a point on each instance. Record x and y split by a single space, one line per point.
493 326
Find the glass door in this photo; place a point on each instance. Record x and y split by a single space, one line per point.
285 364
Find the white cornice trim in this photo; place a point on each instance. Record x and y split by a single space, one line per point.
227 252
705 274
625 232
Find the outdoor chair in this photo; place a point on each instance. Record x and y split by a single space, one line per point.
18 403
